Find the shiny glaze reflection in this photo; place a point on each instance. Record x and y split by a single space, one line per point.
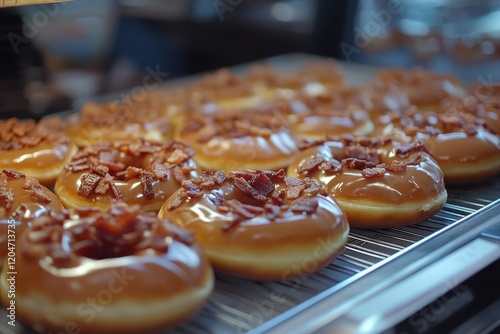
132 190
201 216
419 182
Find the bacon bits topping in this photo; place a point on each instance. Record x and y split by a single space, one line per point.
361 154
277 194
100 234
30 185
413 122
151 161
234 125
16 134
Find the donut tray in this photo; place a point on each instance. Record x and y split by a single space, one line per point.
340 297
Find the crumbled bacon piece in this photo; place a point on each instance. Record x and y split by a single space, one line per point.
304 204
147 186
405 150
6 194
397 166
357 164
13 174
470 129
369 173
88 184
192 189
309 164
36 190
177 200
178 156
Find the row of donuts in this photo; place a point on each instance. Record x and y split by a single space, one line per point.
241 202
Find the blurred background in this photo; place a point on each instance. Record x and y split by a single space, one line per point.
55 56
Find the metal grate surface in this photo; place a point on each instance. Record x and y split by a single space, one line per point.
238 306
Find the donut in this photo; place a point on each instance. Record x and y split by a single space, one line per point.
311 119
377 182
225 90
259 225
22 199
424 89
240 140
466 148
38 150
312 78
130 119
117 270
138 172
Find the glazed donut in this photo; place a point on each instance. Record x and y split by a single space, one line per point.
311 119
238 141
377 183
312 78
139 172
118 121
465 147
38 150
425 89
22 199
107 271
259 225
225 90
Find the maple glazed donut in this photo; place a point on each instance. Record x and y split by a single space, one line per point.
312 78
239 141
118 270
466 148
376 182
319 117
38 150
259 225
22 199
139 172
118 121
425 89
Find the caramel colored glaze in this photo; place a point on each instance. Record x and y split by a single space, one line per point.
390 198
131 292
467 153
22 210
263 146
43 162
131 189
38 150
260 248
424 89
128 120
